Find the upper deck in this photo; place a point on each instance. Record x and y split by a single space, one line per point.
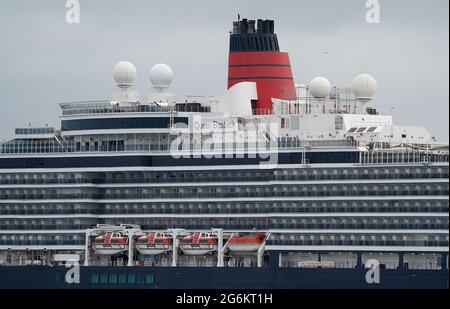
107 107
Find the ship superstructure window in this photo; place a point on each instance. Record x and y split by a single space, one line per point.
120 123
291 174
361 240
315 190
34 131
325 223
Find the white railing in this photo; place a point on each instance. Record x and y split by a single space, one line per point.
403 157
105 107
385 156
60 146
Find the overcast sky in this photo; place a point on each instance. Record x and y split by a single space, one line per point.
44 60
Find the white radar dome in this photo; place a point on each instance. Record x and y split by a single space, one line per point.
161 76
320 87
364 87
124 74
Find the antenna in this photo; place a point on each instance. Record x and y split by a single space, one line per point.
161 76
124 74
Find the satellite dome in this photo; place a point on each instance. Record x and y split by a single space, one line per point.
124 74
364 87
161 76
320 87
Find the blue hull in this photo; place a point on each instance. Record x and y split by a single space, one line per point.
218 278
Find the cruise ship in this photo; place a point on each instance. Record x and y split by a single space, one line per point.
272 184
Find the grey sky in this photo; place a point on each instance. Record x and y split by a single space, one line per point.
44 60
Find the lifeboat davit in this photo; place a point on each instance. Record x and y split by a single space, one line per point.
199 244
246 243
154 243
111 243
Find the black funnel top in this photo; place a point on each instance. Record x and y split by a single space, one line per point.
252 36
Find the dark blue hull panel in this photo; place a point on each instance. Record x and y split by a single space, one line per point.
163 161
219 278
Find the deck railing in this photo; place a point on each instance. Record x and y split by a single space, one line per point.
384 156
105 107
59 146
404 156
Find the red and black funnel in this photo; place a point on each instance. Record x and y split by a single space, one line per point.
255 56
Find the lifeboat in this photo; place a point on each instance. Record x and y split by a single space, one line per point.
154 243
111 243
198 244
246 243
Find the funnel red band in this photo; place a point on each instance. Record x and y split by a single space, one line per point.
270 70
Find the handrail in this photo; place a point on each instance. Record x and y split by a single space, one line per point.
377 156
105 107
57 145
